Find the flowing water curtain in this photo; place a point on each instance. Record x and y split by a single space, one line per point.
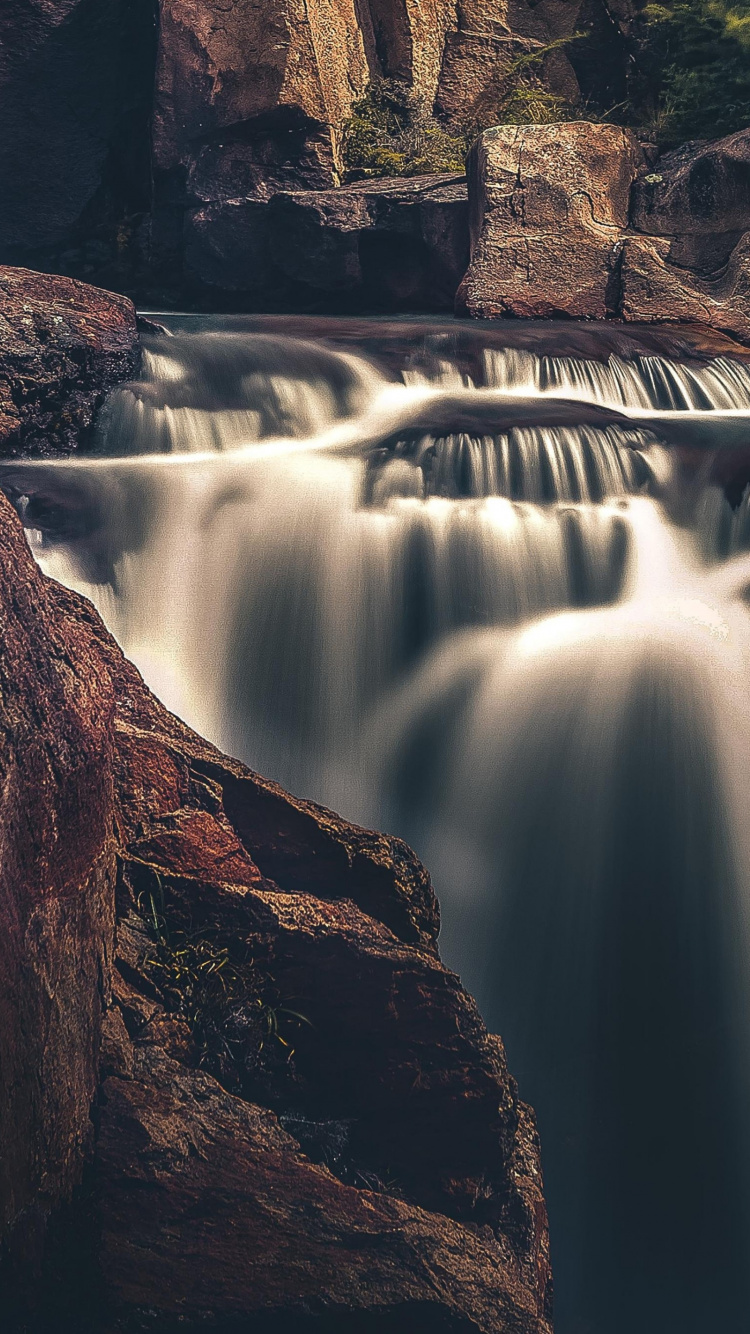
575 792
486 643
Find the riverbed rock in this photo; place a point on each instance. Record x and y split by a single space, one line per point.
548 211
389 1174
63 346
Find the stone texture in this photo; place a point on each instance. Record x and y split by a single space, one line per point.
394 243
700 189
200 1205
254 68
240 1221
549 205
655 288
57 876
63 346
694 261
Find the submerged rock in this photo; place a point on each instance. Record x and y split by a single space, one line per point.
198 1205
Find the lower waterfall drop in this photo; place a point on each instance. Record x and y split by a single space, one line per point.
486 634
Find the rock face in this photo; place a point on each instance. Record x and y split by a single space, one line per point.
549 205
694 207
569 220
388 1174
63 346
138 138
384 243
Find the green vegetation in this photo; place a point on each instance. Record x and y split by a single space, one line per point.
392 133
238 1026
691 75
688 77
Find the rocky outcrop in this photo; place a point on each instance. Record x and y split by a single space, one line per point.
569 220
549 208
135 138
63 346
382 244
387 1173
692 264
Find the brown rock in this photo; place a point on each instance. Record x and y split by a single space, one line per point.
239 1223
203 1207
384 243
480 54
57 875
63 346
655 288
548 208
251 69
701 189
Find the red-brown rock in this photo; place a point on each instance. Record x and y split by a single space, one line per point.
63 346
200 1204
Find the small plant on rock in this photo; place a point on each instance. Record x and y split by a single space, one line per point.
239 1027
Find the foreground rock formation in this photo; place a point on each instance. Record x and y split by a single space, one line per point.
169 1162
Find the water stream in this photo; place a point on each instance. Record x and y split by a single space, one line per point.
495 603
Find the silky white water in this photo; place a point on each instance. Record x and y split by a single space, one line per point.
488 636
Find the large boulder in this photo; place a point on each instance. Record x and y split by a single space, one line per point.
548 211
63 346
701 190
400 243
693 261
387 1177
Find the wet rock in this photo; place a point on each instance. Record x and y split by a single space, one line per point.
199 1206
63 346
548 210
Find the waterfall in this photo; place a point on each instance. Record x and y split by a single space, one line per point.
457 606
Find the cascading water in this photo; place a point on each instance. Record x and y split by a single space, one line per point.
487 635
